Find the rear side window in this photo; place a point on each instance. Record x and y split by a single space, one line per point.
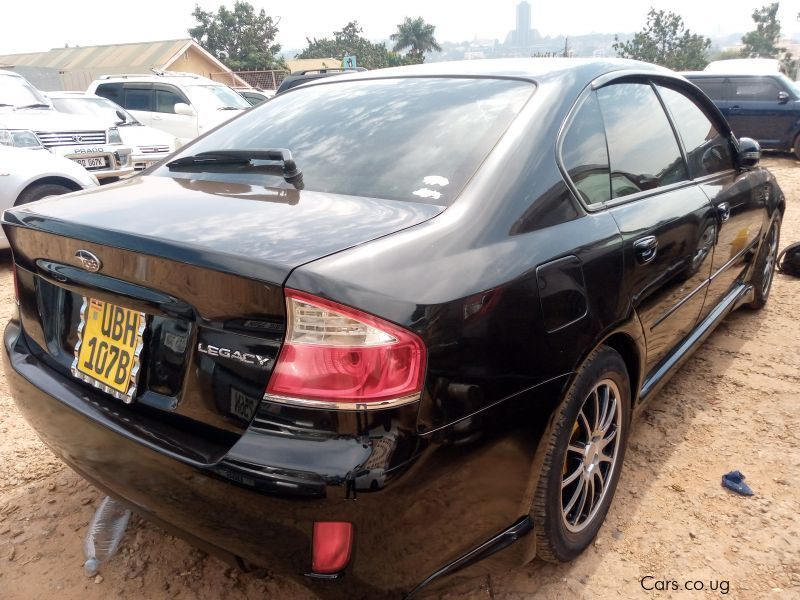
138 99
642 148
716 88
755 89
708 151
409 138
584 153
112 91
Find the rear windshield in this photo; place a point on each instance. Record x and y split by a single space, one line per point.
417 139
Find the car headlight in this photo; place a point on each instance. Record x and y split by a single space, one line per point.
113 136
19 138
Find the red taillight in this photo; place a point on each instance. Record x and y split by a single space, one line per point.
332 545
336 356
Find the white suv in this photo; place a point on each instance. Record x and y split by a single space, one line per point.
27 120
182 104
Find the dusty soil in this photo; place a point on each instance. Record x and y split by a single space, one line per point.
734 406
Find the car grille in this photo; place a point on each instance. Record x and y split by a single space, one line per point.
50 139
153 149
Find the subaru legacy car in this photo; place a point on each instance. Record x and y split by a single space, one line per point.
395 324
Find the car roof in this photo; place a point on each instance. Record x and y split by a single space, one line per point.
532 69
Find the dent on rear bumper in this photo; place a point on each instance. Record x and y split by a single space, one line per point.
449 501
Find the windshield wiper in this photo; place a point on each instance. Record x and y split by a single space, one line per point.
229 108
36 105
244 157
3 104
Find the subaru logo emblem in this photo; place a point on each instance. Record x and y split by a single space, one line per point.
88 261
77 139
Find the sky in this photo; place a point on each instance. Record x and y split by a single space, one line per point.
38 26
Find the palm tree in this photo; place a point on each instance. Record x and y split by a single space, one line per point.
417 36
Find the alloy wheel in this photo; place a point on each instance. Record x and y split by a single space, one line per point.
591 456
769 263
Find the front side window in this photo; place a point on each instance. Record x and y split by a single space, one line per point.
755 89
707 150
584 153
642 148
166 101
404 138
112 91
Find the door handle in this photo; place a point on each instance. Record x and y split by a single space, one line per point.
734 108
724 211
645 249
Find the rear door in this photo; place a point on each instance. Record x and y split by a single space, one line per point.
666 220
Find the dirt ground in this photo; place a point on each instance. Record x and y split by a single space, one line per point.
733 406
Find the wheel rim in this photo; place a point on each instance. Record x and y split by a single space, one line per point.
591 457
769 263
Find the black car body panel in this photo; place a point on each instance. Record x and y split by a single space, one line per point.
510 287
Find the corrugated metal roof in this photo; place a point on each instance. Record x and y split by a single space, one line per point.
131 58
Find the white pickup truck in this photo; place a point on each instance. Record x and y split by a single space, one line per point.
28 120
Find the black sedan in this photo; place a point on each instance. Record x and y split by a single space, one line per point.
392 323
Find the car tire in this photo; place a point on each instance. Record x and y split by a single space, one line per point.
796 146
764 268
41 190
585 450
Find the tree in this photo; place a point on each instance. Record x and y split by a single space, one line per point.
417 36
350 42
762 42
666 42
240 38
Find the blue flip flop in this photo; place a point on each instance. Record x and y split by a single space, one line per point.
734 481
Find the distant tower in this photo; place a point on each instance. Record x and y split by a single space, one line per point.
522 34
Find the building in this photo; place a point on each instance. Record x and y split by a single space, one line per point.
75 68
522 34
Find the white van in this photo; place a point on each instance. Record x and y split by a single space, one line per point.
182 104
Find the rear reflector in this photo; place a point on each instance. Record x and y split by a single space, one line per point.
332 545
337 357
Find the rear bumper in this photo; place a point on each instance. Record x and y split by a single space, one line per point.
437 513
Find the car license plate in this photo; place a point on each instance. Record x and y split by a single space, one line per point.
242 405
91 163
108 348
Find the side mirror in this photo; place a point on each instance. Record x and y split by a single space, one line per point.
181 108
749 152
121 116
783 97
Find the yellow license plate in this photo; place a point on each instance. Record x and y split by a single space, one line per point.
110 341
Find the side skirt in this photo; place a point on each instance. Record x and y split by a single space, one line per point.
656 379
499 542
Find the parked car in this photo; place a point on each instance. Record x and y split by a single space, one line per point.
182 104
255 95
301 77
27 176
148 145
389 324
26 117
765 107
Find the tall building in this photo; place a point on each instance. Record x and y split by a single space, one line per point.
522 34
